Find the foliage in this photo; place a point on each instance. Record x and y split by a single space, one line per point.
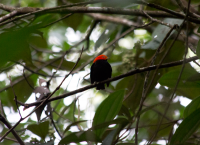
144 104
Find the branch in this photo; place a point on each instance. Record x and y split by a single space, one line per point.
2 119
43 101
118 20
136 71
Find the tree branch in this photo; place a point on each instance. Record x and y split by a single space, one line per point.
136 71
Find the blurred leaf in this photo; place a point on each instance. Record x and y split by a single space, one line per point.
160 32
73 21
195 77
79 136
107 123
185 87
108 109
126 144
73 124
198 49
110 137
124 111
194 105
186 128
37 42
105 35
17 48
66 65
8 96
40 129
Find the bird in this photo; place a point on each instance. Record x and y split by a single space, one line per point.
100 71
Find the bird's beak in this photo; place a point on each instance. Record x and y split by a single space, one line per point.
108 58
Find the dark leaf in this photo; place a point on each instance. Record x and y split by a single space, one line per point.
80 136
40 129
110 137
198 49
73 124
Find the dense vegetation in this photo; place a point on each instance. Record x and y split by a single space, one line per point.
47 48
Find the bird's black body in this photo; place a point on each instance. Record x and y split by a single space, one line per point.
100 71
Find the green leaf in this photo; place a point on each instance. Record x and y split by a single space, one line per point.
194 105
125 144
37 42
18 48
185 87
80 136
41 129
110 137
198 49
186 128
108 109
73 21
160 32
106 124
73 124
105 35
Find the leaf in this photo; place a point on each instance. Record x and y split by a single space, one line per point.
105 35
80 136
186 128
73 124
108 109
66 65
160 32
106 124
195 77
194 105
198 49
8 96
37 41
41 129
126 144
185 87
18 48
73 21
110 137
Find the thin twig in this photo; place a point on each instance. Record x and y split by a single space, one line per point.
43 102
15 97
2 119
27 80
145 90
180 74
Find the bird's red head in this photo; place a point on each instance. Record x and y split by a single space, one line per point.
100 57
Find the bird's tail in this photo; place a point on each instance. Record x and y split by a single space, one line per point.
100 87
